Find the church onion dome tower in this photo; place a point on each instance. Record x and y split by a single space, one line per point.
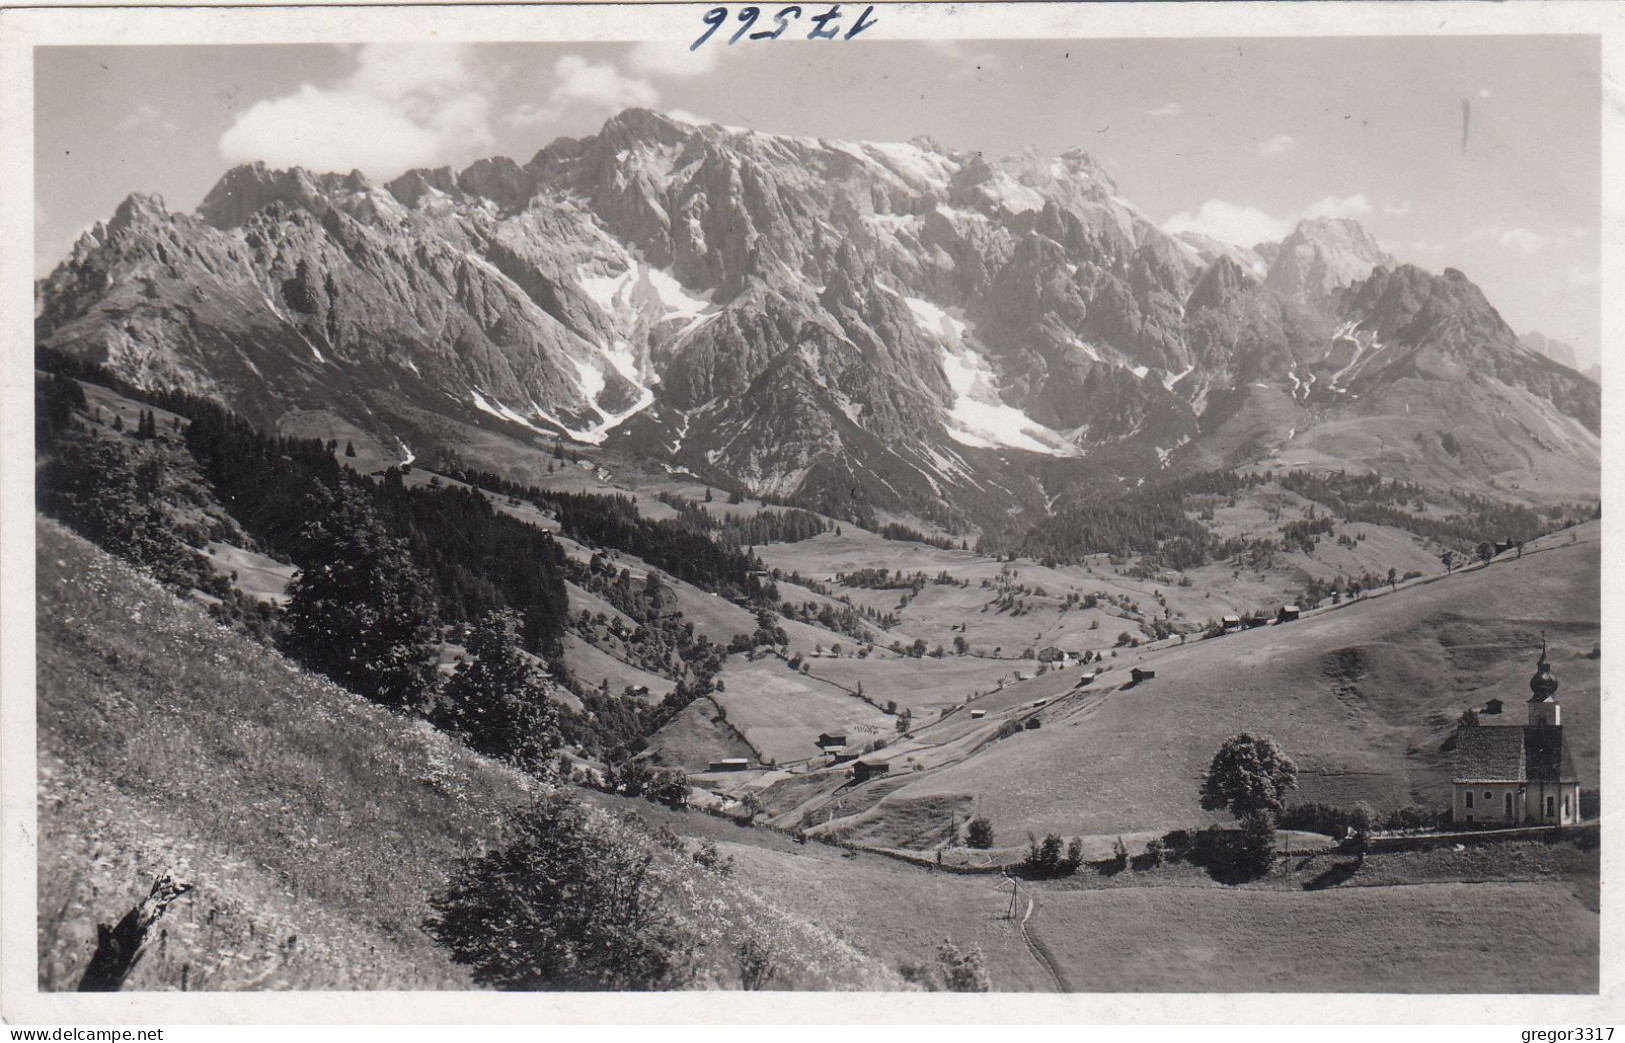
1543 706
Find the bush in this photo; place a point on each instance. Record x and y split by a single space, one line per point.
979 834
1155 852
955 970
708 857
1032 724
564 906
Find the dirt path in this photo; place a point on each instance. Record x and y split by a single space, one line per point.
1036 946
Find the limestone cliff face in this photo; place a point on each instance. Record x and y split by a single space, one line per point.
898 324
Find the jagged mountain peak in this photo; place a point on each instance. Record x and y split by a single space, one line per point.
1322 255
1219 283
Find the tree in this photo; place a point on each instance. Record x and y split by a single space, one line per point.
349 449
1393 579
496 700
961 646
1448 560
360 611
1486 551
979 834
1361 823
670 788
1250 777
566 906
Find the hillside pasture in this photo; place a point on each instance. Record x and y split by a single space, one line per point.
593 666
782 713
255 575
924 686
1362 697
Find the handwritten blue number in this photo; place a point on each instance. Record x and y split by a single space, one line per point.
713 18
748 15
860 25
783 19
821 21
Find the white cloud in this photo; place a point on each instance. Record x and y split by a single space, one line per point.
1522 240
403 106
685 116
146 115
1230 223
1247 225
1353 206
589 89
1173 108
1400 209
966 62
672 59
1580 275
1279 145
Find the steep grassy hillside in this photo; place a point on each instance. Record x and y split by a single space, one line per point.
313 825
1362 696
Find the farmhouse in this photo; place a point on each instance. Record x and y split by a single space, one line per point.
831 740
863 771
730 764
1521 773
1287 614
1136 675
1230 622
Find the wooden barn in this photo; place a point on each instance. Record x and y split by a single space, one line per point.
863 771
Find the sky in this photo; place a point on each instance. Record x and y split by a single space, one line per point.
1237 138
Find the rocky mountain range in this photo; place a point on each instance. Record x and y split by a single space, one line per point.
897 328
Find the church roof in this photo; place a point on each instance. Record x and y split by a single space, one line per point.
1526 753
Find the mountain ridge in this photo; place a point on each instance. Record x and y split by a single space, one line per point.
865 326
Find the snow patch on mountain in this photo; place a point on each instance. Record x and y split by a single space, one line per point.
979 417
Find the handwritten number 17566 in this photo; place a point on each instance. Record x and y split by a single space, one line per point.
824 26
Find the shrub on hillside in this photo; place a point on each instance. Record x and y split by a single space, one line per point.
562 907
979 834
955 970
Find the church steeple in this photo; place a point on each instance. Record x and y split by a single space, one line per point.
1543 706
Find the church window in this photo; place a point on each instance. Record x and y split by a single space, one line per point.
1469 798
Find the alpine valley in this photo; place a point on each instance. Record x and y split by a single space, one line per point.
704 558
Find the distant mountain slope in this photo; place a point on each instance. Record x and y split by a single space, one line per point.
861 326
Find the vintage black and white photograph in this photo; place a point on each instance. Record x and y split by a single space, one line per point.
806 504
